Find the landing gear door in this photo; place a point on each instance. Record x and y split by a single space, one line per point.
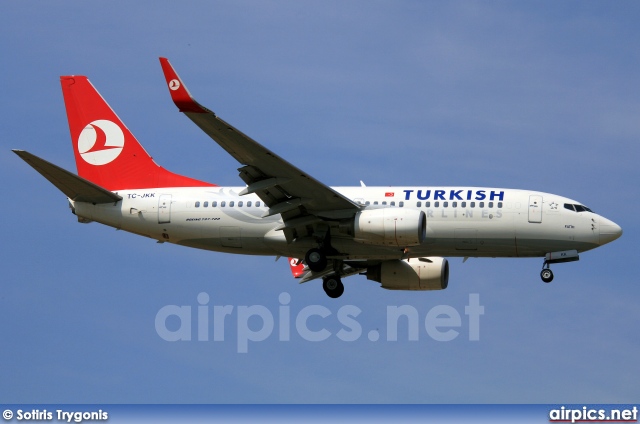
535 209
164 209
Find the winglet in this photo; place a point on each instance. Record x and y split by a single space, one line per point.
179 93
297 267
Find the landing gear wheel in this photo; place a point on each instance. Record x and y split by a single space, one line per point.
333 287
316 260
546 275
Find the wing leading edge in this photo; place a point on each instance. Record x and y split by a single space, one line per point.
300 199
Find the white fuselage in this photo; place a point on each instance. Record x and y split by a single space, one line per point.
461 221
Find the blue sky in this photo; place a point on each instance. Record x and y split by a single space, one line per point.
533 95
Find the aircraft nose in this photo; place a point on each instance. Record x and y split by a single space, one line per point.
609 231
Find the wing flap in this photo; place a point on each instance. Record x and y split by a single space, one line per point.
74 187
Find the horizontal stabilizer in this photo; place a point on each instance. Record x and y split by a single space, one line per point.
74 187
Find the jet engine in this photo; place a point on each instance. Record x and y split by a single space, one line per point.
411 274
390 227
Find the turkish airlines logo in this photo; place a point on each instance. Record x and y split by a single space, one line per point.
174 84
100 142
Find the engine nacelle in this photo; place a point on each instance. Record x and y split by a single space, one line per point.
390 227
412 274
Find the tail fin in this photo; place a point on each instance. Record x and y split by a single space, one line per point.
106 152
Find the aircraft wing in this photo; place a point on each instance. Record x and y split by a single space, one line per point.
298 197
345 269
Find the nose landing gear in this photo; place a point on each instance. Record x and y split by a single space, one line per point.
556 258
546 274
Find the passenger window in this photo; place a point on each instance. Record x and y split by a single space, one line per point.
367 203
197 204
393 203
231 204
384 203
445 204
214 204
401 204
258 204
464 204
481 205
418 204
454 204
375 202
499 205
490 204
473 204
205 205
240 204
223 204
249 204
436 204
427 204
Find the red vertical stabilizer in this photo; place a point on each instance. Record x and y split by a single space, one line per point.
106 152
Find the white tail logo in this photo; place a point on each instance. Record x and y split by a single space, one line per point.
100 142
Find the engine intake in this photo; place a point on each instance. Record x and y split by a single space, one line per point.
390 227
413 274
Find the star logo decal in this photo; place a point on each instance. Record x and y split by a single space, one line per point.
553 205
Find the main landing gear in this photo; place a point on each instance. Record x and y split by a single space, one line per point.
316 259
333 286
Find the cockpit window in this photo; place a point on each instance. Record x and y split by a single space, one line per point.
577 208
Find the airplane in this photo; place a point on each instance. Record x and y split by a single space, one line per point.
396 236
